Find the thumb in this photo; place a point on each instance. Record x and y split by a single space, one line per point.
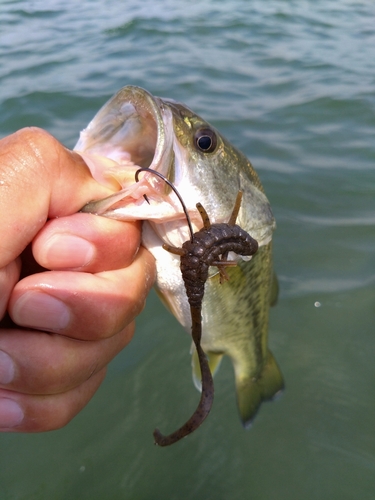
39 179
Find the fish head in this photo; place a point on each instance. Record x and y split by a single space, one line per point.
135 129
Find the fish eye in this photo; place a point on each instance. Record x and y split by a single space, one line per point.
206 140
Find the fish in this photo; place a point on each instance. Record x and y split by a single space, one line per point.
136 130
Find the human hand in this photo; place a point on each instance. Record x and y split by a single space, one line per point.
59 327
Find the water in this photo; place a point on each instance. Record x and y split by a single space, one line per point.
292 85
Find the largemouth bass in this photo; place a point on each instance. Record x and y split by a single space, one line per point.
137 130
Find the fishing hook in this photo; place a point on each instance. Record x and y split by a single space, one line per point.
174 189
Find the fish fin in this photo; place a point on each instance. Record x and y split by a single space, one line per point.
166 302
214 361
252 392
274 290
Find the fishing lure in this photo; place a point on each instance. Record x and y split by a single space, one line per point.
210 246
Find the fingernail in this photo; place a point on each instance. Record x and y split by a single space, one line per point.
66 250
11 414
40 310
7 368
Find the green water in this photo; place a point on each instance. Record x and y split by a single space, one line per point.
292 85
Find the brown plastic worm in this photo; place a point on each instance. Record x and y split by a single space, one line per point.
207 247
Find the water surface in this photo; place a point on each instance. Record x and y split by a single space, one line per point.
292 85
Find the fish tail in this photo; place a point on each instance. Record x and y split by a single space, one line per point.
251 392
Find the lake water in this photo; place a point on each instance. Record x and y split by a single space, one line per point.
291 83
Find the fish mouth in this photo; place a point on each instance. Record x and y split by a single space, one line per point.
134 130
131 130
